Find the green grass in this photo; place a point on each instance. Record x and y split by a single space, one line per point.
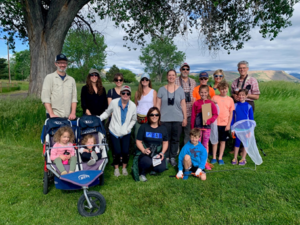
269 195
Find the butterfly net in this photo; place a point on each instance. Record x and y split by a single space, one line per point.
244 131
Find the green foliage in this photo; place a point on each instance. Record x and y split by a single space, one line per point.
159 56
84 52
20 65
10 89
128 75
3 69
111 73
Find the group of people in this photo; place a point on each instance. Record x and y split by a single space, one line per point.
158 118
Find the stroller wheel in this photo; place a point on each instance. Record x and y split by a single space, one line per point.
46 181
98 204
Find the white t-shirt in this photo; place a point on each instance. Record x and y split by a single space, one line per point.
145 103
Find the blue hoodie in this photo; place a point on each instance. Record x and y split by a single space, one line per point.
197 153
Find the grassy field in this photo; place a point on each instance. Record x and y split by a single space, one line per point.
269 195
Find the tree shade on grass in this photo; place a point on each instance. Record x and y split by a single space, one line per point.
269 195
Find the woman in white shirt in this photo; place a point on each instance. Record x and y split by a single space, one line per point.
144 98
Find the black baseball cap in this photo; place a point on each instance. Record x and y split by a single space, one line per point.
61 57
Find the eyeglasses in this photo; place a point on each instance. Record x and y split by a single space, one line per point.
116 80
145 79
242 68
94 75
185 69
124 93
151 115
218 76
203 78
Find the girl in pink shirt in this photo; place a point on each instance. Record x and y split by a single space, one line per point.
196 117
63 151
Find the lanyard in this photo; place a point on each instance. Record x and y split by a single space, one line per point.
243 82
182 85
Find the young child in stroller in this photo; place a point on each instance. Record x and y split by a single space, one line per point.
63 151
90 153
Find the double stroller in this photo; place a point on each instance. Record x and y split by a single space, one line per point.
90 203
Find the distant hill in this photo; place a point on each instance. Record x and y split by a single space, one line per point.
261 75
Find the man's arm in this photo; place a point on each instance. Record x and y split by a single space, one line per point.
72 116
253 97
48 107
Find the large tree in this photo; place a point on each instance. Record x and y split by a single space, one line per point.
160 56
224 23
83 53
111 73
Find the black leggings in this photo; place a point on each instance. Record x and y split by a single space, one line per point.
145 164
120 148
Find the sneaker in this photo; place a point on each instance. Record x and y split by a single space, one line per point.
143 178
64 172
94 155
167 160
233 162
207 167
173 162
186 175
117 172
221 162
91 162
242 162
124 172
213 161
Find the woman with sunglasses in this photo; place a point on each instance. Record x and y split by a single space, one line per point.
171 102
123 118
218 77
152 140
144 98
115 92
93 95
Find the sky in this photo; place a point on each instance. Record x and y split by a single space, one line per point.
262 54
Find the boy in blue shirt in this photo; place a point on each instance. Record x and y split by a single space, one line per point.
192 157
243 111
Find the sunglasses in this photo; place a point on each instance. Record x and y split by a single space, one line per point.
145 79
94 75
126 93
116 80
218 76
185 69
151 115
203 78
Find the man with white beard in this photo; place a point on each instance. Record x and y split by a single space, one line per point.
59 93
188 86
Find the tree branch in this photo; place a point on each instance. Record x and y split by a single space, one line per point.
89 26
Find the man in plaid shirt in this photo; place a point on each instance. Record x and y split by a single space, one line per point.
245 82
188 86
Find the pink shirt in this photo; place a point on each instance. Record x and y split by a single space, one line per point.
197 108
226 106
56 152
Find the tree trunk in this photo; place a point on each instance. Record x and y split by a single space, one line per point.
47 30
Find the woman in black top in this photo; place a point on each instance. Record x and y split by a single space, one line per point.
150 136
115 92
93 95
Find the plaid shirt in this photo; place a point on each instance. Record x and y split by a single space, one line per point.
254 90
187 88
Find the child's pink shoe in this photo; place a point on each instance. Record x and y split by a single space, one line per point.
207 167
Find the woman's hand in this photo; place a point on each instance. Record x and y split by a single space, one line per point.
147 151
87 112
161 156
184 122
